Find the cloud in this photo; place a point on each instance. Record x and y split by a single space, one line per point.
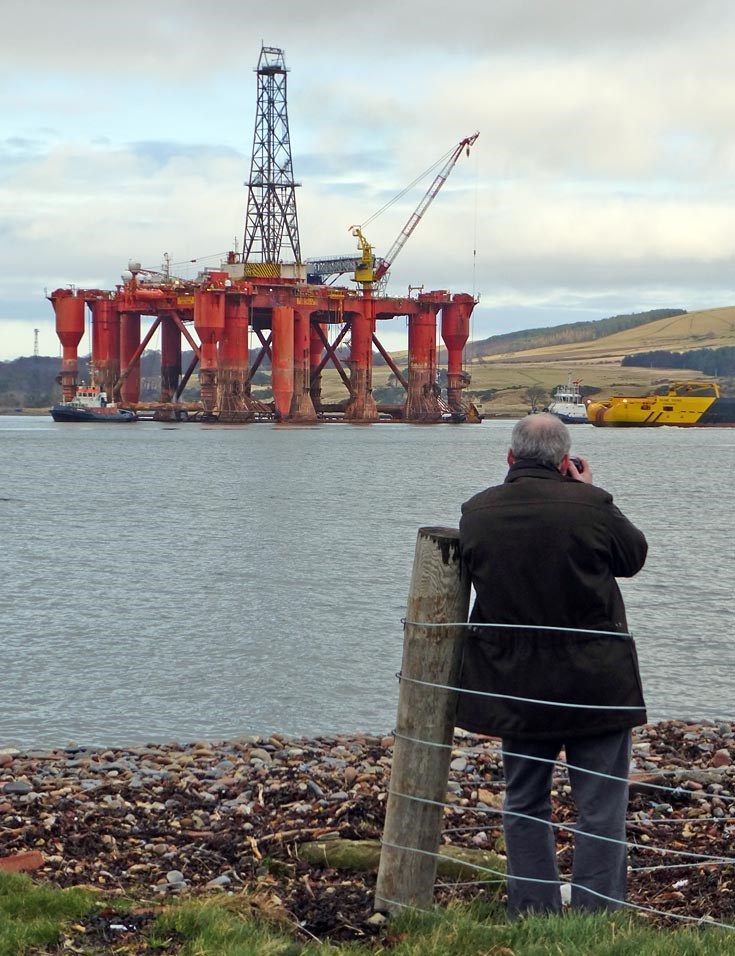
602 178
177 40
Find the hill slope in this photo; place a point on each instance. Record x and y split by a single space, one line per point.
708 328
569 333
501 379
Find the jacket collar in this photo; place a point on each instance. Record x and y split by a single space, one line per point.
528 468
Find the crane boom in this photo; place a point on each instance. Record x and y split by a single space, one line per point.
385 263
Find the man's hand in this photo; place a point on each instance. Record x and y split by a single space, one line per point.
584 475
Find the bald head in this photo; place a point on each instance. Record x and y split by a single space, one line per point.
540 437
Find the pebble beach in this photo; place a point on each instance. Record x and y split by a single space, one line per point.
226 816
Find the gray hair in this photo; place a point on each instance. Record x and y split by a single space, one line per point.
541 437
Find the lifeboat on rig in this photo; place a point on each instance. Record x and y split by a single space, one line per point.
684 404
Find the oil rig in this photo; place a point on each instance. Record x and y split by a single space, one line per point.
267 292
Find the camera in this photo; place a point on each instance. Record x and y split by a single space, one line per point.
578 464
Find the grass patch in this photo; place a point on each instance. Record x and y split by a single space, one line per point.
37 919
226 929
31 916
486 931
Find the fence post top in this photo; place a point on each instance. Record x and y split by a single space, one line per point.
439 534
443 540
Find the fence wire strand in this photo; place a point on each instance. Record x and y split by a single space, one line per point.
567 828
523 700
530 879
678 790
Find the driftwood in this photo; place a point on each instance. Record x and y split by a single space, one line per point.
455 863
647 781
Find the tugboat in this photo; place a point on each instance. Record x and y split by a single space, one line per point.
568 404
687 404
90 405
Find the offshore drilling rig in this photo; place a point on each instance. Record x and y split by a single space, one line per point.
267 291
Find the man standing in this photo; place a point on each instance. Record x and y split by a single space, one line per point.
543 550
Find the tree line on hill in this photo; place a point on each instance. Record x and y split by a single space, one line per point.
31 381
719 363
566 334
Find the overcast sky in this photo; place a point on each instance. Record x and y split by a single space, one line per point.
603 180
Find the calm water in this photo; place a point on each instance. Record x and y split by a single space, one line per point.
181 582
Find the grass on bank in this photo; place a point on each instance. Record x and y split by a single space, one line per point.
31 916
37 919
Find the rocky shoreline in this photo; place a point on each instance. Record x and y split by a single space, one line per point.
229 816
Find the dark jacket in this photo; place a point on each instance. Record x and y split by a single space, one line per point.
544 550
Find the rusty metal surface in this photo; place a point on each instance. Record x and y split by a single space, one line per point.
215 314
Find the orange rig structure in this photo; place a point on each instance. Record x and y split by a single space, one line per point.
288 306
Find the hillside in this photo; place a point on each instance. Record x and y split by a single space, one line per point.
567 334
504 367
709 328
500 379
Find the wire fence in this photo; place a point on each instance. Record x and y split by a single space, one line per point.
686 860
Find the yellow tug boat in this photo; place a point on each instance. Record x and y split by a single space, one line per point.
686 403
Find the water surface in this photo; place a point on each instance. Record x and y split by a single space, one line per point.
187 581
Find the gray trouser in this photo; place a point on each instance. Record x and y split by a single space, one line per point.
599 865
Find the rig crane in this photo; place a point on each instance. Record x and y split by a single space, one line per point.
414 219
367 269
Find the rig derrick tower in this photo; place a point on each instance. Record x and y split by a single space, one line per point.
271 223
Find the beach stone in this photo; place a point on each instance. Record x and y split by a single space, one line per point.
721 758
223 783
377 919
693 785
351 775
18 787
175 876
219 882
459 764
91 785
21 862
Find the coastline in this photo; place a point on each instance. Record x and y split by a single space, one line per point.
213 816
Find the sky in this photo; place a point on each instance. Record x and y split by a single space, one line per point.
602 182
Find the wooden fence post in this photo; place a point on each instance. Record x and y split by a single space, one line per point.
439 594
